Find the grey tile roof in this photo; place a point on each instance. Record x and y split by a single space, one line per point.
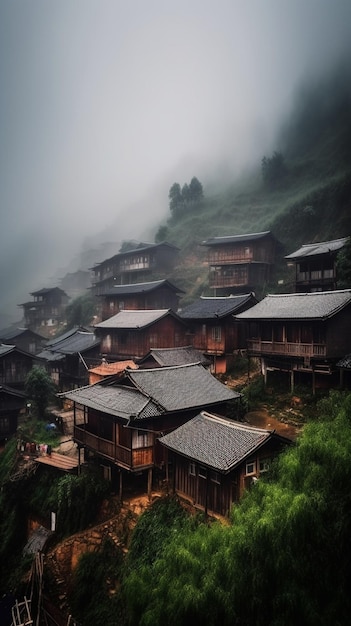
79 341
51 355
12 332
176 356
6 349
215 241
213 308
138 248
182 387
46 290
117 400
134 319
345 362
314 249
121 290
295 306
65 335
216 442
10 391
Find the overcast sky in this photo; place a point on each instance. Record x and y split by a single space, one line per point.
105 103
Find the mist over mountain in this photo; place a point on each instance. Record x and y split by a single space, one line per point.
105 105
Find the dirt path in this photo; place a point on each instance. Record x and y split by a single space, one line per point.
263 419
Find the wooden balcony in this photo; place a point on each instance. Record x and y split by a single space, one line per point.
256 346
216 281
139 458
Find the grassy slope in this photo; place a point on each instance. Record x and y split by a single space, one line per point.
312 202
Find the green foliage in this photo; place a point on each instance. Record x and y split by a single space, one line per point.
343 266
273 169
78 499
182 199
80 311
101 572
284 559
155 527
161 234
255 391
7 460
40 389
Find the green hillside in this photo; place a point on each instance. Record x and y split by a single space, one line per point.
308 200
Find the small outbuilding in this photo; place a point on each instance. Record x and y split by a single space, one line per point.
212 460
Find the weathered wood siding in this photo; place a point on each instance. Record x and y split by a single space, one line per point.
162 298
136 343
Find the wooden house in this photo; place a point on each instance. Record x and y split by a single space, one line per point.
46 311
212 460
132 334
315 265
69 356
157 294
303 335
169 357
240 263
138 264
23 338
214 330
15 365
118 423
12 402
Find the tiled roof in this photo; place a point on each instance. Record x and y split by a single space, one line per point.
138 248
212 308
11 333
79 341
117 400
313 249
6 349
216 442
10 391
215 241
121 290
134 319
320 305
68 333
182 387
176 356
345 362
108 369
155 392
50 355
46 290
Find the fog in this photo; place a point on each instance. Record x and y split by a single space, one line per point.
104 104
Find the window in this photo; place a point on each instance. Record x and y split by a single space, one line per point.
264 465
142 439
202 472
216 478
192 469
216 333
203 330
106 343
4 425
250 468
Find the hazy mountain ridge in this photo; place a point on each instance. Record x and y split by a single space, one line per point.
311 202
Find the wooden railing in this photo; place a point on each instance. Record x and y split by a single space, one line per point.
125 457
227 281
286 348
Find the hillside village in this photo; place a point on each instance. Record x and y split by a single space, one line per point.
147 366
147 391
